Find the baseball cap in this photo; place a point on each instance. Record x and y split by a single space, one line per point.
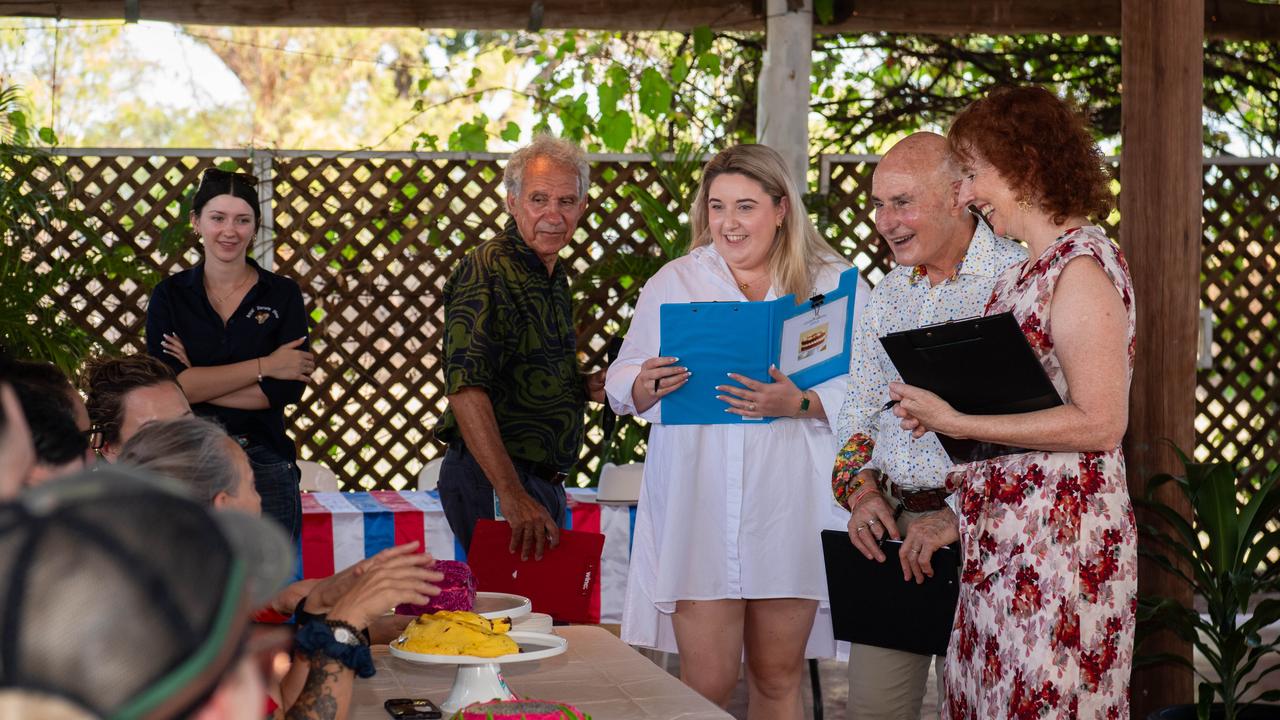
122 595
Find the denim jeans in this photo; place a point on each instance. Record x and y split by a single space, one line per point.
467 495
276 480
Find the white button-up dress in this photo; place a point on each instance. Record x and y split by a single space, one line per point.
726 511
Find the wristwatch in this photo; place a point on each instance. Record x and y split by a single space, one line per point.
338 640
804 402
344 633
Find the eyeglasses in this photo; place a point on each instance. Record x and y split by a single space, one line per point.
97 437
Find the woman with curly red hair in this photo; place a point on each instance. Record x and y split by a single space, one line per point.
1045 622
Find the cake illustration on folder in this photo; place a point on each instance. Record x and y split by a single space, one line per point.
813 340
520 710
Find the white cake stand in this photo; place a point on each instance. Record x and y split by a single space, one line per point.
494 605
480 679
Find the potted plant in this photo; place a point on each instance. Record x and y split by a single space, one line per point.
1222 555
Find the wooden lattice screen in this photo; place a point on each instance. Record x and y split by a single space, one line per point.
371 238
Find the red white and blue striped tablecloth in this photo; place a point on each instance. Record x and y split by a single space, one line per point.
340 529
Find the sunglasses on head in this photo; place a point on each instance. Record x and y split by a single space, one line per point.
220 174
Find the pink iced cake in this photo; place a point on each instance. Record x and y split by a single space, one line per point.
457 590
520 710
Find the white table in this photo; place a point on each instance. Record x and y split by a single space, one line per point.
599 674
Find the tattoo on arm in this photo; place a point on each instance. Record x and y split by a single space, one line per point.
318 700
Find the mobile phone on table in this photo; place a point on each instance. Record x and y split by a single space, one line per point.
412 709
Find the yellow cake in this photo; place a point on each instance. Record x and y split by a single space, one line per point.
450 632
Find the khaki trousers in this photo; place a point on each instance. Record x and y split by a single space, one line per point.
889 684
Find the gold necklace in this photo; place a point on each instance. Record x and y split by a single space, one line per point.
220 300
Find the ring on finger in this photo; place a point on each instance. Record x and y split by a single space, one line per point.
752 407
860 528
872 522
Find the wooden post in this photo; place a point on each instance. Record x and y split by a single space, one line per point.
782 110
1161 176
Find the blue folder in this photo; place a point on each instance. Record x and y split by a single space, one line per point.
713 339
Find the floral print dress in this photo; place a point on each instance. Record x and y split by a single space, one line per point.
1044 626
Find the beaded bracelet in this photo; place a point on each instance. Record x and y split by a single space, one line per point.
845 478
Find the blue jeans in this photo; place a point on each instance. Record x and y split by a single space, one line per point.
467 495
276 480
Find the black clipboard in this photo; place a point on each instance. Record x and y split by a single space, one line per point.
982 366
872 605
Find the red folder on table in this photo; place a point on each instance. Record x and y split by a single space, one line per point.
561 584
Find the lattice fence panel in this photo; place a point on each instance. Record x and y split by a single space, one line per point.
372 240
139 201
1238 398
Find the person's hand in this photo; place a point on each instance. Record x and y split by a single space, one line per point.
328 591
658 378
925 535
287 362
780 398
869 520
532 527
922 411
405 578
595 385
172 345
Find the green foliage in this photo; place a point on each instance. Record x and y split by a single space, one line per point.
34 207
1222 555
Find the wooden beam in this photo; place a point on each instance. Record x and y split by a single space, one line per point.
782 112
1236 19
1162 87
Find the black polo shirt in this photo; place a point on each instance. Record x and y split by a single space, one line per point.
270 315
509 330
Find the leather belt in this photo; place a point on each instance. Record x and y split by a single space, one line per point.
542 471
918 501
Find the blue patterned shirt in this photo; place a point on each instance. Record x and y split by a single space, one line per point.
904 300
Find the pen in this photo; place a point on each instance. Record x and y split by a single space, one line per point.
655 384
888 405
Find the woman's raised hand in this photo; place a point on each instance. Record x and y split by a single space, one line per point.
172 345
780 398
659 377
289 363
922 411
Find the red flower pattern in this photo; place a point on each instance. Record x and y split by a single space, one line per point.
1048 589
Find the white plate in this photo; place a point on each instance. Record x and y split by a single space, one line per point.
533 646
494 605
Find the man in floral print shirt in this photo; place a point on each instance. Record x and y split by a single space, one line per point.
947 263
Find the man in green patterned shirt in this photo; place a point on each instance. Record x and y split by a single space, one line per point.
516 398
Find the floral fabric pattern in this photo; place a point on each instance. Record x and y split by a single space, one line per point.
1044 626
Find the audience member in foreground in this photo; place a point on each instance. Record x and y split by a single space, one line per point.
17 456
56 416
1049 586
125 598
200 455
125 393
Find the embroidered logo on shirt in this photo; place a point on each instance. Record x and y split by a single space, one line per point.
262 313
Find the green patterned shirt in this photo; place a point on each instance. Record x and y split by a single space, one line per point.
508 329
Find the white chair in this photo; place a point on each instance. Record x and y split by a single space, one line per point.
620 483
316 477
430 475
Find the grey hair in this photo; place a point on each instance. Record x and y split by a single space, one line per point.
559 151
194 451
